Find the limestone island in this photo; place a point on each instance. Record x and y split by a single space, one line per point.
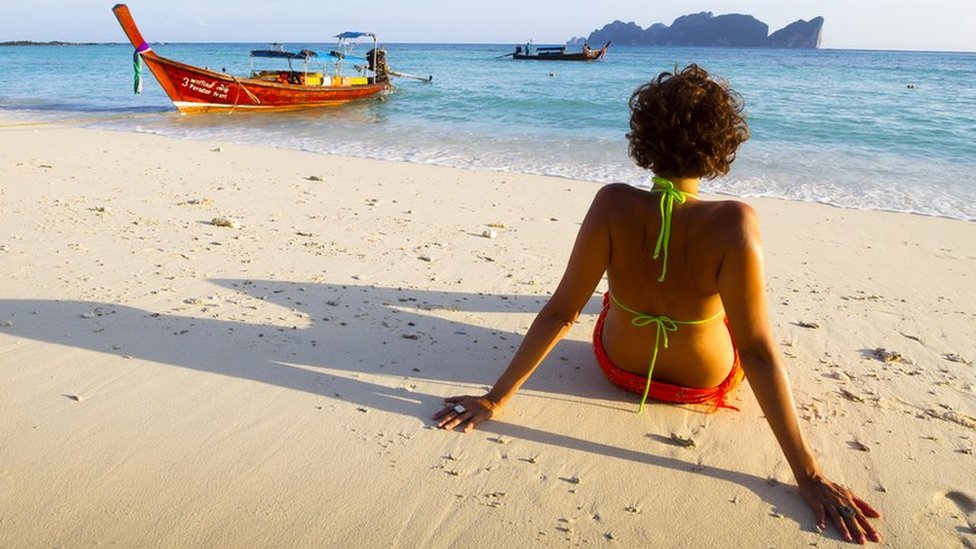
704 29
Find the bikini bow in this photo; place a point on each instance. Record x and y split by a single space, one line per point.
662 324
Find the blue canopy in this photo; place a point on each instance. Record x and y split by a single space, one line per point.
352 34
350 58
279 54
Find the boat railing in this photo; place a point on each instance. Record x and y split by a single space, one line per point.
332 68
347 42
291 75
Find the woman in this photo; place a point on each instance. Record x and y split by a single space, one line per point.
677 267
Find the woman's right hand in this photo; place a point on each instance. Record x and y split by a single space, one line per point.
846 511
466 411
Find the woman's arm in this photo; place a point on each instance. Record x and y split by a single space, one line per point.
587 263
742 287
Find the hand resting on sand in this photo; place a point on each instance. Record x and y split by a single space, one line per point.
473 410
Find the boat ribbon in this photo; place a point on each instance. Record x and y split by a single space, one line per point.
137 67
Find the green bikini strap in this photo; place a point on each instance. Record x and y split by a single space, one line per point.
662 324
669 195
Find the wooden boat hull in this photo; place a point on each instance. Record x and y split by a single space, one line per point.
543 55
193 89
575 56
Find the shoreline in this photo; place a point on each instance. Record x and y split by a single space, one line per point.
167 381
29 120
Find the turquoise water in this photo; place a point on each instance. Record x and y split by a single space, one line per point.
837 127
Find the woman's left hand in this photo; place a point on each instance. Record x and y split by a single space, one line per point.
848 512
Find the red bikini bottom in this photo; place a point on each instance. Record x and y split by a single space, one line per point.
660 390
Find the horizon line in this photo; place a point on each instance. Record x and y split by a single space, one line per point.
55 43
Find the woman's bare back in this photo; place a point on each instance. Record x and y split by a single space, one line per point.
698 355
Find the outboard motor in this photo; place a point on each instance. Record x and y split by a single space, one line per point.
377 63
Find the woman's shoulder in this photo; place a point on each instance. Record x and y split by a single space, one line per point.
732 211
615 198
617 190
734 220
620 195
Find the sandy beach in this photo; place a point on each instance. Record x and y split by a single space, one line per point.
214 345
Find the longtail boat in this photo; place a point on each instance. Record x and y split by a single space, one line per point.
557 53
194 89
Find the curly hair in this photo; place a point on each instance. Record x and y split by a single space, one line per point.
686 124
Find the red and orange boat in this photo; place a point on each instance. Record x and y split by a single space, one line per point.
193 89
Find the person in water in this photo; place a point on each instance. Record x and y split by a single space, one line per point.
685 317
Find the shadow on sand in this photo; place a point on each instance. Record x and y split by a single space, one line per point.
316 339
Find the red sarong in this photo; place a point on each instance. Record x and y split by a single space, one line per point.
661 390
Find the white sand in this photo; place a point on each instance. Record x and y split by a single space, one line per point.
165 382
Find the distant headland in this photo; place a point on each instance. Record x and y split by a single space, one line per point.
704 29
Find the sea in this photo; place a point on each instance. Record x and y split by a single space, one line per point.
870 130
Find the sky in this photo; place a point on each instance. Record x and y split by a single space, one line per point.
942 25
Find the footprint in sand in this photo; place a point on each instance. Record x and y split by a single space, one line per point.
951 512
967 505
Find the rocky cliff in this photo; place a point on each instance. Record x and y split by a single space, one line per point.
799 34
705 29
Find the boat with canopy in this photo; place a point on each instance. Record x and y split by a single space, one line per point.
304 83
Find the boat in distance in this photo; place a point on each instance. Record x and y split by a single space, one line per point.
557 53
194 89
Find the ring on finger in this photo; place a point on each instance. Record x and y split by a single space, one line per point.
458 409
846 511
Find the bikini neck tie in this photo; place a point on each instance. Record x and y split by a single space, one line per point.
669 195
